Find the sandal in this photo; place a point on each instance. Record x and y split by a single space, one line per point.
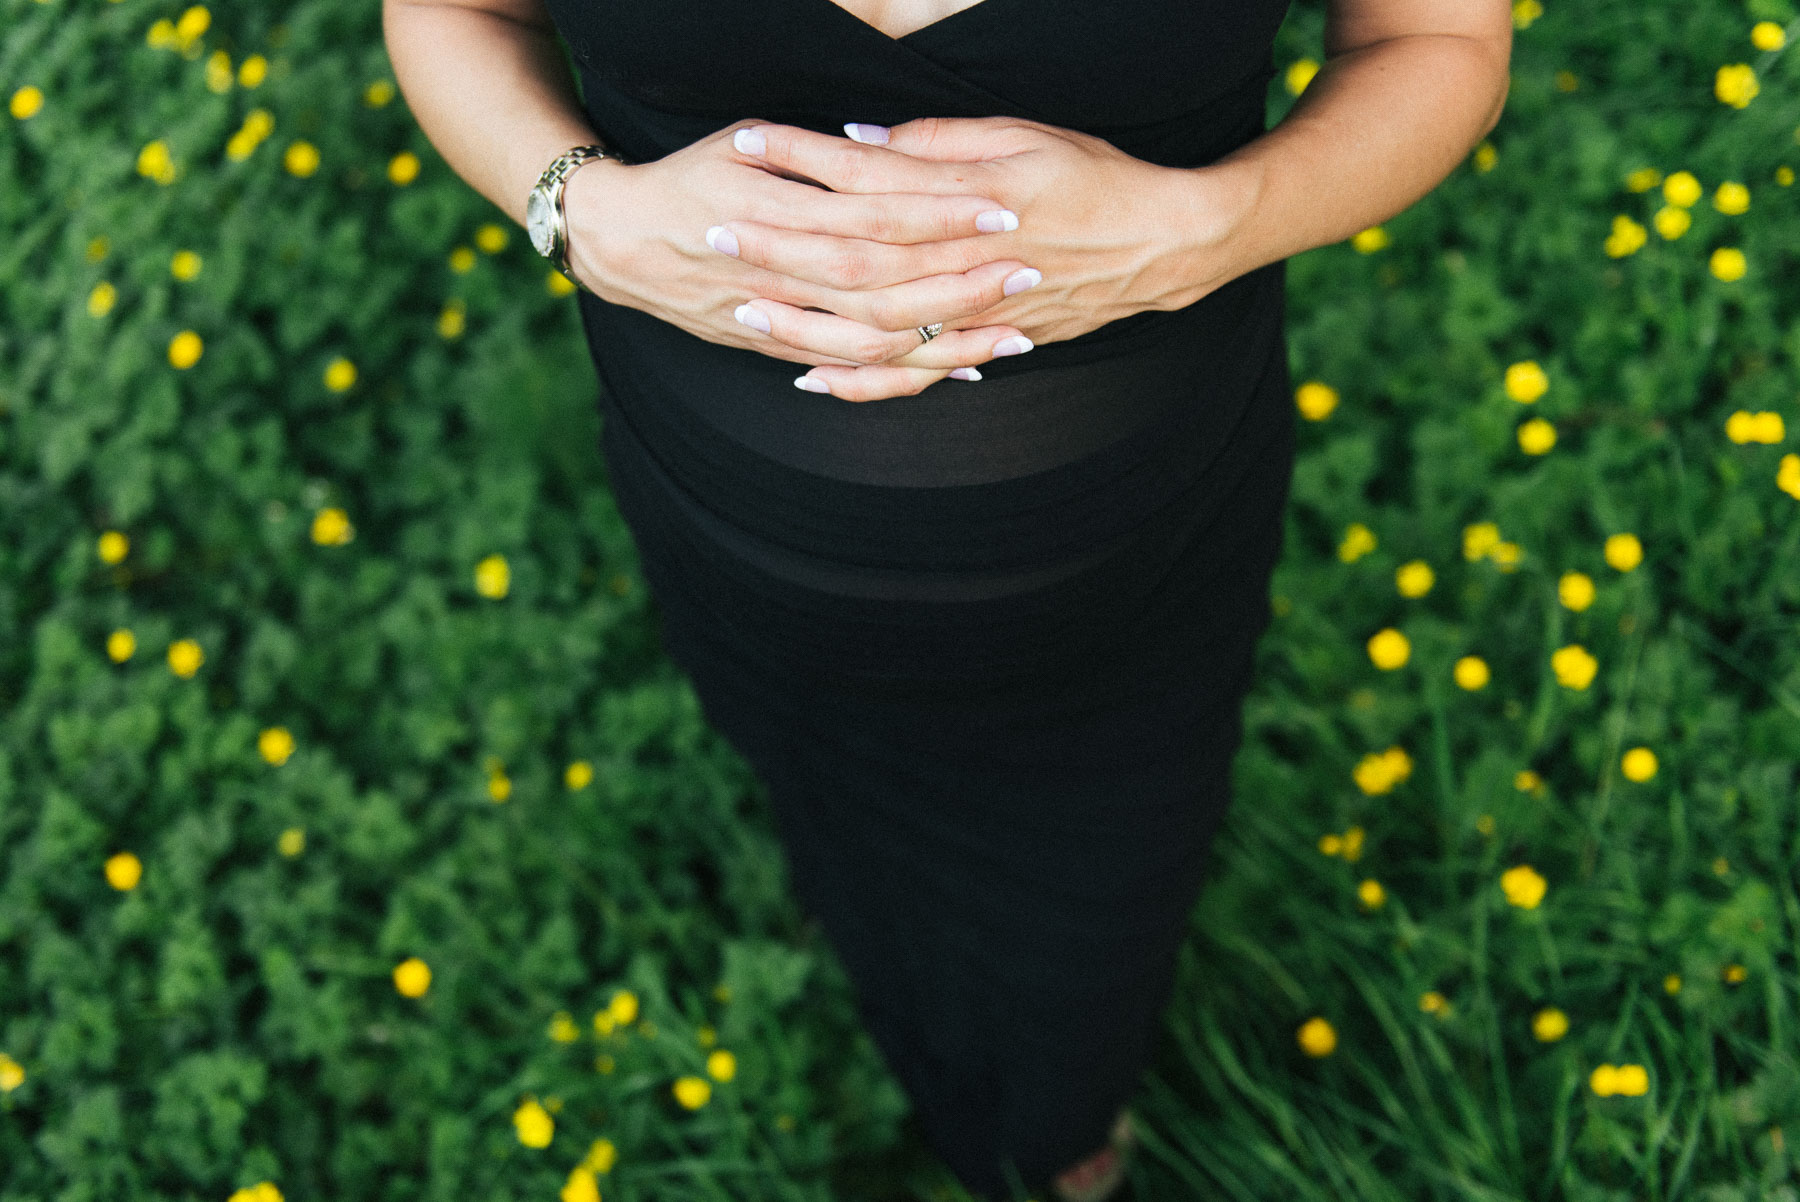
1100 1176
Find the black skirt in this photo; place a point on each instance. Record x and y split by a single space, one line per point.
986 646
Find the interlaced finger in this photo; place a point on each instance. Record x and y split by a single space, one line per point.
903 217
848 263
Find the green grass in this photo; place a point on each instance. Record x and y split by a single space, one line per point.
234 1017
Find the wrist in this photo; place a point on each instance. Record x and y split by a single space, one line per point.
594 211
1210 216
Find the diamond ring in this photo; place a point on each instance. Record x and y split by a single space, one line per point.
931 331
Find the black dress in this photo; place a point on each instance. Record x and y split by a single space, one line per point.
986 646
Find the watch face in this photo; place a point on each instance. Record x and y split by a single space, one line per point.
537 221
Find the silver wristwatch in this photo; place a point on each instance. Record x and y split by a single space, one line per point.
544 217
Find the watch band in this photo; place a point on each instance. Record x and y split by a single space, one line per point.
553 179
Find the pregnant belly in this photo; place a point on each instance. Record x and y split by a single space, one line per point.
1048 462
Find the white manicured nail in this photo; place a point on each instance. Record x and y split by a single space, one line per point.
750 141
722 240
997 221
1018 344
871 135
753 317
811 384
1018 281
965 373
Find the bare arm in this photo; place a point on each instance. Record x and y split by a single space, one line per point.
1407 90
490 88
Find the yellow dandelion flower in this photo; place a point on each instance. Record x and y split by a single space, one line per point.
578 775
1300 72
1527 781
604 1023
1784 176
491 238
1574 667
112 546
493 577
275 744
1681 189
721 1065
12 1073
253 71
1536 436
1485 157
604 1065
462 259
1471 672
499 787
1787 475
184 265
1526 381
1484 823
1480 539
1524 886
1358 541
1315 400
1623 552
331 527
692 1092
1549 1025
705 1036
155 162
1627 237
1643 179
301 159
185 657
1431 1001
1370 240
292 842
1575 590
601 1156
1735 84
1331 844
533 1124
1379 772
1506 555
191 24
403 168
558 284
1604 1080
1766 35
1524 12
1631 1080
1672 983
1671 222
1414 578
27 102
563 1028
1389 649
412 977
1731 198
1638 764
1721 866
100 300
1371 894
379 93
1735 974
453 320
1764 426
340 374
1316 1037
1353 838
121 645
623 1007
124 871
218 72
161 34
184 350
1727 263
580 1186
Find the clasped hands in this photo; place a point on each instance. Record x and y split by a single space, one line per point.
832 251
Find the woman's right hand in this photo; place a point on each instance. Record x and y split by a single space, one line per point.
638 236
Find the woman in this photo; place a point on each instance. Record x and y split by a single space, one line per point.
984 639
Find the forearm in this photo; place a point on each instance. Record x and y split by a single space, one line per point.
493 95
1375 130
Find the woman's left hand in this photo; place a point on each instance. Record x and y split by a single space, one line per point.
1109 234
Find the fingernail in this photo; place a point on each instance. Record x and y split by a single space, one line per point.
1018 281
997 221
722 240
965 373
811 384
872 135
1018 344
753 317
749 141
